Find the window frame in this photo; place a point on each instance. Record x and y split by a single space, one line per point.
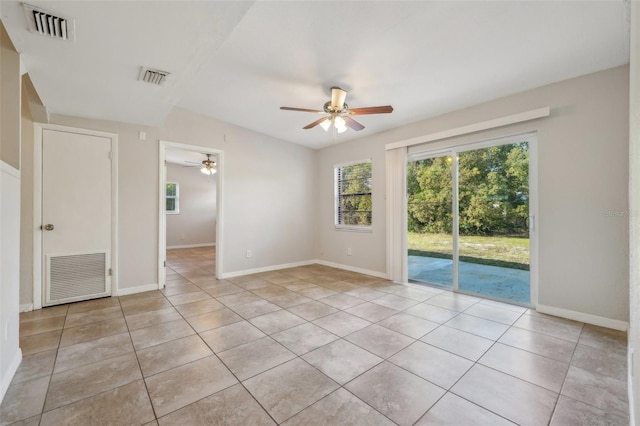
176 197
336 202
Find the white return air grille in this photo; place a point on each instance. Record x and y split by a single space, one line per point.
48 24
77 277
157 77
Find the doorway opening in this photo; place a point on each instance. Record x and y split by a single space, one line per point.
470 218
190 213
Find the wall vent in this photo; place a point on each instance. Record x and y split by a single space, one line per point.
153 76
49 24
76 277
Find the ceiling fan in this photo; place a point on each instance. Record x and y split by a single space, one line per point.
339 114
206 166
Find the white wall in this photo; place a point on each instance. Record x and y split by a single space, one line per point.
195 224
583 174
268 193
26 205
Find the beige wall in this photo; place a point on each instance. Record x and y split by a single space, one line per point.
583 174
634 209
10 108
196 222
26 202
268 192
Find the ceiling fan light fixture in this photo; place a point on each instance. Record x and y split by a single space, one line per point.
326 124
340 124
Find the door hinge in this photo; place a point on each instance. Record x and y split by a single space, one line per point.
110 272
165 263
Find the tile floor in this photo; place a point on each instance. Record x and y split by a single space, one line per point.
306 346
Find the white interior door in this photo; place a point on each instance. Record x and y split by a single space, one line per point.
76 216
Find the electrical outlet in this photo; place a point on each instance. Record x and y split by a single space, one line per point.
249 254
349 251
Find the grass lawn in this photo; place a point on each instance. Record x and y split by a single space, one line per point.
509 252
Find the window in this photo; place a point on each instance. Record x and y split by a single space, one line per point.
353 196
172 200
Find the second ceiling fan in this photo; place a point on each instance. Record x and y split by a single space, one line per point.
339 114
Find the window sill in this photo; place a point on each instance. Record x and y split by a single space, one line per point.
354 228
172 212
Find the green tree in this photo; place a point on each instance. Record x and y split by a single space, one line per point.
354 186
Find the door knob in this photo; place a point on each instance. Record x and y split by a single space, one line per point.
49 227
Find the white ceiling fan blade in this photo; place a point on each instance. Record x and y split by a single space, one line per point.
337 98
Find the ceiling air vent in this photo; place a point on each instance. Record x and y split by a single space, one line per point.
49 24
153 76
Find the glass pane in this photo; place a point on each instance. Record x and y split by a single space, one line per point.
493 232
430 220
355 195
171 204
171 189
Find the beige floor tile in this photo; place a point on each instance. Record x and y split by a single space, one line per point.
342 360
229 336
236 299
536 369
312 310
417 294
379 340
173 288
181 386
339 408
340 286
255 309
366 293
161 333
492 313
409 325
276 321
395 302
604 338
23 400
541 344
82 382
433 364
38 326
396 393
371 312
317 292
452 410
508 306
254 284
219 289
147 319
80 354
200 307
145 305
341 323
95 315
31 421
452 302
92 331
280 279
52 311
213 319
304 338
289 299
90 305
40 342
270 291
289 388
519 401
603 392
341 301
478 326
34 366
556 327
255 357
571 412
126 405
458 342
175 353
431 313
232 406
195 296
601 361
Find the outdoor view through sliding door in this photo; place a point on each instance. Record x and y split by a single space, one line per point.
488 221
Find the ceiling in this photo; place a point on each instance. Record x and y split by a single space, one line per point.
186 158
240 61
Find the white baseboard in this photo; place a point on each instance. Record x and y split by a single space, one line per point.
630 372
353 269
191 246
582 317
8 376
139 289
267 269
26 307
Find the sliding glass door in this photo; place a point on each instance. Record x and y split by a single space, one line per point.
468 214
